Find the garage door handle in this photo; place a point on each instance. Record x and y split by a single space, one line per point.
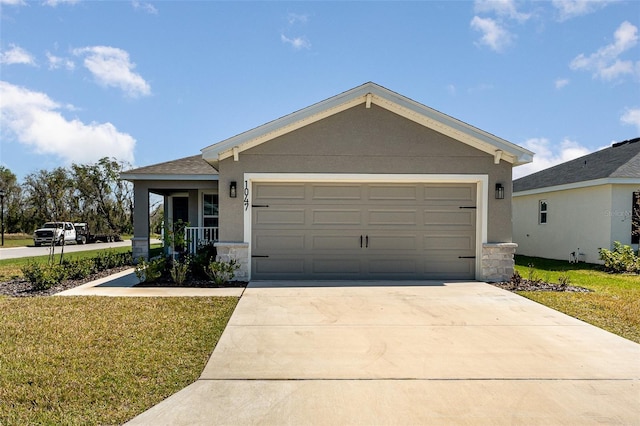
360 241
257 255
367 241
470 207
466 257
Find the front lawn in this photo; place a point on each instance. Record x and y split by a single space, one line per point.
613 304
93 360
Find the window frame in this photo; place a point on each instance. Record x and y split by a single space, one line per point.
543 214
216 203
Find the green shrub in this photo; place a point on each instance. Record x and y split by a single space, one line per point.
205 253
42 276
621 259
109 259
179 271
149 271
78 269
221 272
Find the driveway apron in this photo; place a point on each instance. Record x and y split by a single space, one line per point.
406 353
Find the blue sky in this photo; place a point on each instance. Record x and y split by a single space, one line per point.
147 82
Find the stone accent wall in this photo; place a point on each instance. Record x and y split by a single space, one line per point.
239 252
140 248
497 261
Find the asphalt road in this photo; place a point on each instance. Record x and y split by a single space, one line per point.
17 252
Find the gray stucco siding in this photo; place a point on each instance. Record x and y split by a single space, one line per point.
361 140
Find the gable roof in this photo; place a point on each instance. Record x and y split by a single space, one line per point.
621 160
187 168
366 94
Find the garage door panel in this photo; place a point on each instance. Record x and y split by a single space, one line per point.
275 216
321 192
392 217
449 242
443 217
336 265
393 193
450 192
377 242
341 217
335 242
278 241
282 192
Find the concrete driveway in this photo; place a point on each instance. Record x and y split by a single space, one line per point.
412 353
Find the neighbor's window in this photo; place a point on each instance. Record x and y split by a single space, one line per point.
542 212
210 210
635 219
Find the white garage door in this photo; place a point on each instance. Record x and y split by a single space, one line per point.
363 231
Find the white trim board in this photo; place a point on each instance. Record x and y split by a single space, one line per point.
481 181
577 185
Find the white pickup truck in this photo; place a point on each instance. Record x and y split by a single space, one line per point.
55 232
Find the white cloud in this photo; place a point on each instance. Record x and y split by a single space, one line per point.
297 42
35 120
54 3
568 9
13 2
16 55
56 62
547 155
145 7
561 82
503 8
111 67
294 18
605 63
631 117
494 34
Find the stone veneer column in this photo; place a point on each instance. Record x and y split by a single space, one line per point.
140 248
238 251
497 261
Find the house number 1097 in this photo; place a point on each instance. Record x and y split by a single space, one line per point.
246 195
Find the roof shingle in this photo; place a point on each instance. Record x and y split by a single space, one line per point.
621 160
193 165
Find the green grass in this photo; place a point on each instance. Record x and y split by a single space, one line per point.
613 304
17 240
91 360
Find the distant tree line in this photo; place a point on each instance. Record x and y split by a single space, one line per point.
91 193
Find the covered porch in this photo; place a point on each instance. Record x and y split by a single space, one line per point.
188 188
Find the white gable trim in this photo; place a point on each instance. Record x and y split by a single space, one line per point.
366 94
577 185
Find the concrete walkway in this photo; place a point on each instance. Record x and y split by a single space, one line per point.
413 353
123 284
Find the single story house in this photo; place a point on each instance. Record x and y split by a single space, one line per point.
572 210
367 184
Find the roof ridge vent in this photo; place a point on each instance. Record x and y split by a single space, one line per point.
617 144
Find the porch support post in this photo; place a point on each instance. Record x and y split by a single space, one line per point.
140 240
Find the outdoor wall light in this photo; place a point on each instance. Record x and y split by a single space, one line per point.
499 191
233 189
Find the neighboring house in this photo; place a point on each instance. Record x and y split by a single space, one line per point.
571 210
367 184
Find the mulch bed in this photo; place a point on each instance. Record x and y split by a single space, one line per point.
23 288
191 283
527 285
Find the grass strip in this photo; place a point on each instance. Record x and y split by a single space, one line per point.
613 305
92 360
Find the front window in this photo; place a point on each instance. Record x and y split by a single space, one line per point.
542 212
210 210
